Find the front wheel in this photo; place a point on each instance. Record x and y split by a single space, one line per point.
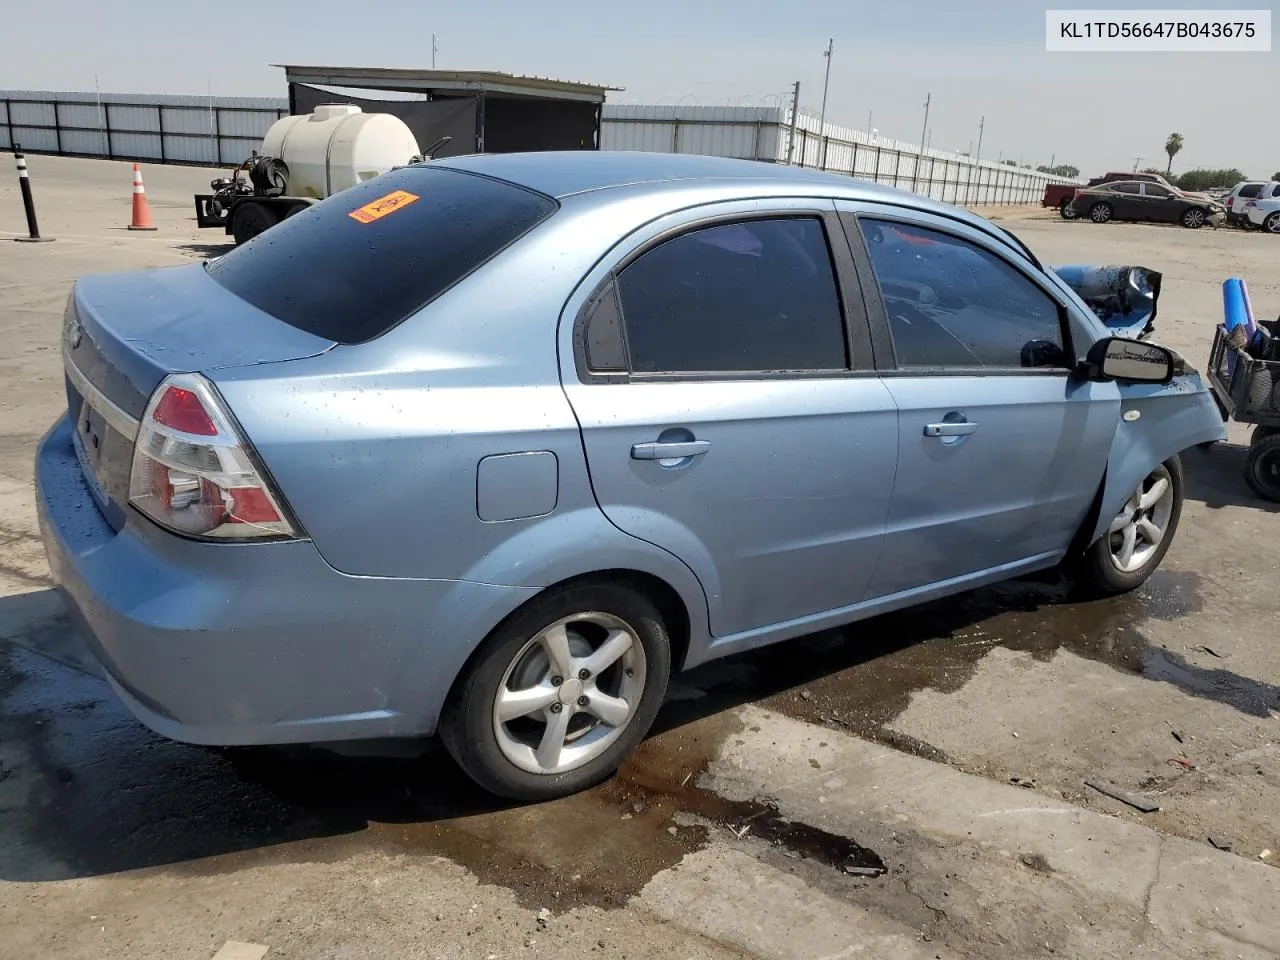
1194 219
1100 213
560 693
1139 536
1067 211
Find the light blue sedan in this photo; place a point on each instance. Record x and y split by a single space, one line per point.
490 446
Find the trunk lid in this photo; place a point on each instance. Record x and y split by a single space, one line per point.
124 333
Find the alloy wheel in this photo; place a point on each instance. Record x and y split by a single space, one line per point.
1138 530
569 693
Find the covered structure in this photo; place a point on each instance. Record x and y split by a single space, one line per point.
483 111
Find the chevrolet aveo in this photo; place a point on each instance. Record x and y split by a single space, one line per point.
490 446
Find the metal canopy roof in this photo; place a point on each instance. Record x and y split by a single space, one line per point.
446 82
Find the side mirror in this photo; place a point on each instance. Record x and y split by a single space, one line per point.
1119 358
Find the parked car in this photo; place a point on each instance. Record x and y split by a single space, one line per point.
1264 209
491 445
1060 195
1238 199
1138 200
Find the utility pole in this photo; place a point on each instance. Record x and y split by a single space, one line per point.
795 117
915 178
435 48
977 171
822 114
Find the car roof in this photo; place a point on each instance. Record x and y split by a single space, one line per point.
562 174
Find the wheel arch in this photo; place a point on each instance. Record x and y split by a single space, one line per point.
671 605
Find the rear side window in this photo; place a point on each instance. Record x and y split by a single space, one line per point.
351 268
756 296
1126 186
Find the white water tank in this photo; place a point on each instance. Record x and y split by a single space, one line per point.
337 147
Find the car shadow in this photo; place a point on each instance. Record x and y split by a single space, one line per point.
89 791
1214 476
206 249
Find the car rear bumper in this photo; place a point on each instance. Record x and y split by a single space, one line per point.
253 643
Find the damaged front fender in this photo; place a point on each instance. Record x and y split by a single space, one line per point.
1124 298
1157 422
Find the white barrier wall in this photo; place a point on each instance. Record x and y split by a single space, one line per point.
222 131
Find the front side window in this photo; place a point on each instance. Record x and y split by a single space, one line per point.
755 296
953 304
1157 191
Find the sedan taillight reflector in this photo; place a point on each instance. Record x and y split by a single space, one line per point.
193 472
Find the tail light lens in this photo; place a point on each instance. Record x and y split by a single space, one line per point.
193 473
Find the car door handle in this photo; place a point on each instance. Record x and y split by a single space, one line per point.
962 429
669 451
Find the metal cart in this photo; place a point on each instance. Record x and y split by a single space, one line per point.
1248 389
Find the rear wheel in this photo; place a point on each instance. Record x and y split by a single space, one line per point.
1194 219
1067 211
1272 223
1139 536
1262 466
1100 212
560 693
250 218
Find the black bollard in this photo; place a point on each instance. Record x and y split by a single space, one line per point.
28 204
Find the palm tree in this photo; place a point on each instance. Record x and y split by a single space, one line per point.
1172 146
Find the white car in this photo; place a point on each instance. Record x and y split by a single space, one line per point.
1238 199
1264 209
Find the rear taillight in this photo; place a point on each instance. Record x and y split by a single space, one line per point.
193 473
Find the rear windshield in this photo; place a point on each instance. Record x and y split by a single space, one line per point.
353 267
1250 189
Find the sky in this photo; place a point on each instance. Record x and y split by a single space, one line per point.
1098 111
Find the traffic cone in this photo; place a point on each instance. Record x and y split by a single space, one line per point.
141 211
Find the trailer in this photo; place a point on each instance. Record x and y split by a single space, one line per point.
333 139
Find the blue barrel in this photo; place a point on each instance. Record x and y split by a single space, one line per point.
1235 307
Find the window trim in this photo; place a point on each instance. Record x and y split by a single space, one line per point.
882 332
859 356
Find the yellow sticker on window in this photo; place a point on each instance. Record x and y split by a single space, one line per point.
382 206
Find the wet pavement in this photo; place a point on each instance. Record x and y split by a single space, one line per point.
110 796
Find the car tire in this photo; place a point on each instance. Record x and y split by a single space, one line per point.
248 219
507 757
1262 466
1100 213
1195 218
1103 570
1066 211
1272 223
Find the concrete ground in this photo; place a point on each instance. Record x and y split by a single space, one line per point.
912 786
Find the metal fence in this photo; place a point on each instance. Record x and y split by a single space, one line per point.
764 133
183 130
222 131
